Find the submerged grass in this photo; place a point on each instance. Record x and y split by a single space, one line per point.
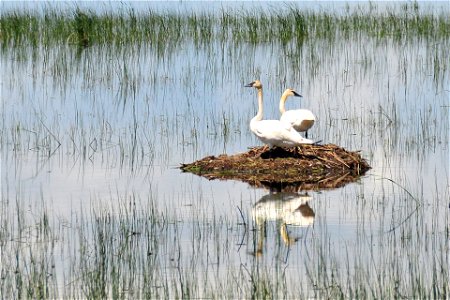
168 29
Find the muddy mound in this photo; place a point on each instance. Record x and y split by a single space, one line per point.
299 168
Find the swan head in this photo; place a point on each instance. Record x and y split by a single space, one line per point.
256 84
291 92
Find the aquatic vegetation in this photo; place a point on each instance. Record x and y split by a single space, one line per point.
166 31
139 250
100 109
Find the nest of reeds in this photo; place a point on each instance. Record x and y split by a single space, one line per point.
306 167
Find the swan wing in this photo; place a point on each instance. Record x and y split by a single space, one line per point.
270 129
277 133
300 119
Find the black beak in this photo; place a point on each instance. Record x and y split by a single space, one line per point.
250 84
297 94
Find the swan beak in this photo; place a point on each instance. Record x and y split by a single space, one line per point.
250 84
297 94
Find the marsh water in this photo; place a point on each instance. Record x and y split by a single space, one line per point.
94 204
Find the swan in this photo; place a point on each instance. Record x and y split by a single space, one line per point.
273 132
300 119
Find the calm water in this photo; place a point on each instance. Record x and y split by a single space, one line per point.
91 131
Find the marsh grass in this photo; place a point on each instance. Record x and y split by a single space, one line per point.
165 31
135 249
109 51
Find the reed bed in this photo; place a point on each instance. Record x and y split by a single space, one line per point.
167 30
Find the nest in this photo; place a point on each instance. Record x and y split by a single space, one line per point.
306 167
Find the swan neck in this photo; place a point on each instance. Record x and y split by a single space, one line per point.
282 101
259 115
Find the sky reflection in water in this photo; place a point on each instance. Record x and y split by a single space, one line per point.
380 97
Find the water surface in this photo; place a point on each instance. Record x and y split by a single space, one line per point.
95 136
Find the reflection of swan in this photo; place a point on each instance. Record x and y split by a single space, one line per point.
273 132
287 208
290 208
300 119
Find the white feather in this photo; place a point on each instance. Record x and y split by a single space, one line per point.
300 119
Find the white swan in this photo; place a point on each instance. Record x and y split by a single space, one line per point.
273 132
300 119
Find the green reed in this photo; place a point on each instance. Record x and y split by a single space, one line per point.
165 30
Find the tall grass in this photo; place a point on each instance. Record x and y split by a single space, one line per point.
166 30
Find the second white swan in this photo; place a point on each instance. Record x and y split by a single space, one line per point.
300 119
273 132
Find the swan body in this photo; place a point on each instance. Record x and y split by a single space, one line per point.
300 119
273 132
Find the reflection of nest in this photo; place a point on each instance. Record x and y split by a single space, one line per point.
299 168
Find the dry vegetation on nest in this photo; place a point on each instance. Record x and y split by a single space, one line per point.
300 168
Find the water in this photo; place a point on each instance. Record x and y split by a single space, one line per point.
97 134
